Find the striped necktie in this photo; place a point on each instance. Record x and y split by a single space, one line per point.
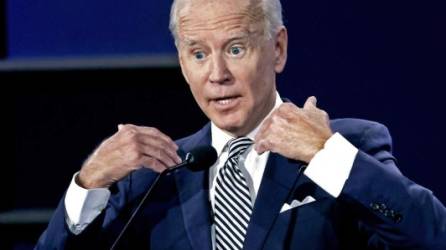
233 205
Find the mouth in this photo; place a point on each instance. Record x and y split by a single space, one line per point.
226 102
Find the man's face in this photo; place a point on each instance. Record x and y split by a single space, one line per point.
228 62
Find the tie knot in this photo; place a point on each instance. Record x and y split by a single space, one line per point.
238 145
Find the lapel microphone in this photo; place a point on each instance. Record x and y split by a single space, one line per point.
198 159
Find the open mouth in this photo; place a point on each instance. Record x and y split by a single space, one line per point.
226 102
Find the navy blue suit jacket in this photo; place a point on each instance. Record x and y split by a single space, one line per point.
378 208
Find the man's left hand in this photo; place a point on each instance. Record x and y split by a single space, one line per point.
296 133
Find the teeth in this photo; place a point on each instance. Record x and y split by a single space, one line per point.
224 101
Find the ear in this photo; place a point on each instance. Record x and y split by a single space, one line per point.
280 49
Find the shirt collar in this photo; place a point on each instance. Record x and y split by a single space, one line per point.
220 137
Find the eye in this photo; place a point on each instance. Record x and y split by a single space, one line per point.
236 50
199 55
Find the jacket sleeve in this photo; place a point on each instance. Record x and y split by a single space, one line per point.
394 211
102 232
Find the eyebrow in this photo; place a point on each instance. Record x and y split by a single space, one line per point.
190 42
235 36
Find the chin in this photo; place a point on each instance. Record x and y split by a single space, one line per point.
237 128
229 125
233 122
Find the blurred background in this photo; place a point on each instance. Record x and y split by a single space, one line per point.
71 71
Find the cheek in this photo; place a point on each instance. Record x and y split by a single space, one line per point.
257 80
197 90
196 78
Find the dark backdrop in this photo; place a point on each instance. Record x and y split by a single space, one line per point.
375 60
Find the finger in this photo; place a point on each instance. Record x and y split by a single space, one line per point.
264 127
259 137
160 150
154 132
154 164
311 102
160 155
154 138
158 134
120 126
258 147
262 146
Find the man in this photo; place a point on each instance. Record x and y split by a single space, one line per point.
286 176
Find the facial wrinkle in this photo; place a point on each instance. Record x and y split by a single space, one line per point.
252 14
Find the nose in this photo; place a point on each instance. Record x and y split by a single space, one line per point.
220 73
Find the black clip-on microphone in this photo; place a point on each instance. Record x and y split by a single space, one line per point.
200 158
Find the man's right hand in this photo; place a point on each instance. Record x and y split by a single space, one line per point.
129 149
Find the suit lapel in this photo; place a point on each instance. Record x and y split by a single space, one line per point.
278 181
193 192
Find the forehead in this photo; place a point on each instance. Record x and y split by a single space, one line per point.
232 17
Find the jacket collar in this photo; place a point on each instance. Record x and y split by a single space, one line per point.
193 191
280 179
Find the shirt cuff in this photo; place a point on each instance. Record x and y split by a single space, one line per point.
83 205
331 166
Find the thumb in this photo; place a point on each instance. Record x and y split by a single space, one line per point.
310 102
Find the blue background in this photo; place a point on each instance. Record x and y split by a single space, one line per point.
53 28
377 60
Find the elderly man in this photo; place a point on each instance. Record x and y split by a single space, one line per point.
286 177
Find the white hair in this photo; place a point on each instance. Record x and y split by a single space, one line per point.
272 13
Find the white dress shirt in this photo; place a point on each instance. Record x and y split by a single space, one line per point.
329 169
